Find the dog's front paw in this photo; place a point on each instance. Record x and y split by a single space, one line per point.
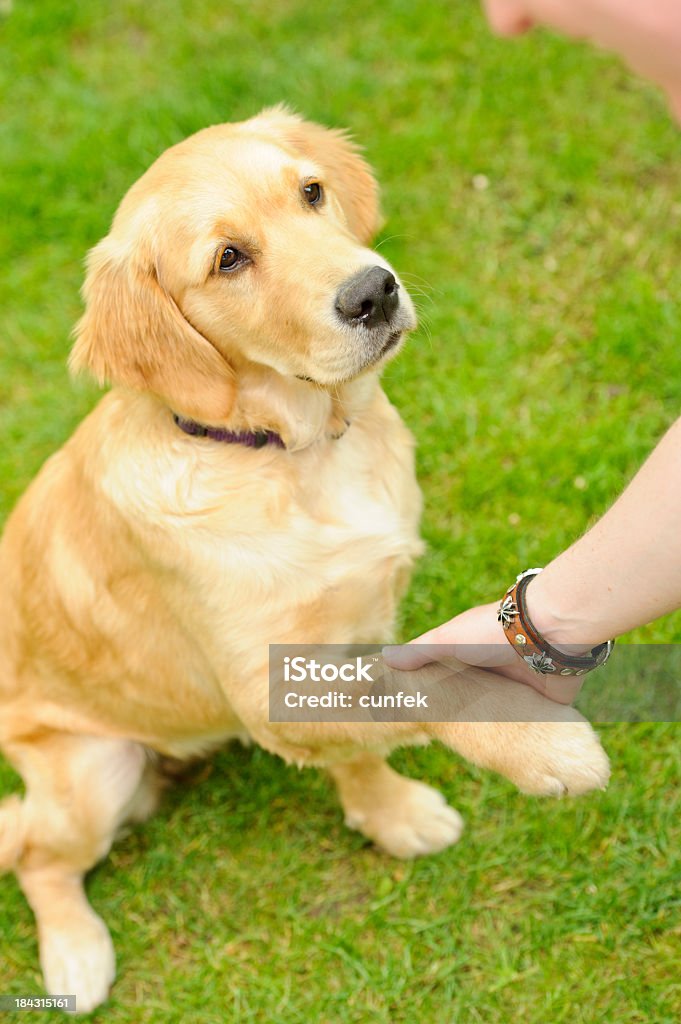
78 959
556 758
413 821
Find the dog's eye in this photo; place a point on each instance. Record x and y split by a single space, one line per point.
231 259
313 193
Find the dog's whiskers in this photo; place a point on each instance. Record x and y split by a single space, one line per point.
390 238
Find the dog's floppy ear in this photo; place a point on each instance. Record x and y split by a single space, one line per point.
133 333
348 174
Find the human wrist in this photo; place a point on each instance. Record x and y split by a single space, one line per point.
544 657
558 619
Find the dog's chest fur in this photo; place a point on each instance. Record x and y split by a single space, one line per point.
261 535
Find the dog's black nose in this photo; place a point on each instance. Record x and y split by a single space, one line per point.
369 297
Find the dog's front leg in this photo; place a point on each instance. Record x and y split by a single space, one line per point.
404 817
545 748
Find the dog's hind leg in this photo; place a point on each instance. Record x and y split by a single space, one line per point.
12 831
79 790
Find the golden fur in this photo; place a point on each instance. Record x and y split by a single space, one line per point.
145 571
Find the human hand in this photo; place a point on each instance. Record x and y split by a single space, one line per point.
476 637
646 34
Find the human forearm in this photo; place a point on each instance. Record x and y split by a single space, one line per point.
626 570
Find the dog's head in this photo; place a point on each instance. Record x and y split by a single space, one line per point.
243 245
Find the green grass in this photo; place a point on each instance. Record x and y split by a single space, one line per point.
547 365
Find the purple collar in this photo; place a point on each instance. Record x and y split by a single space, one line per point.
249 438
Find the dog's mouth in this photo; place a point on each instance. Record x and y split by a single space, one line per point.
392 340
390 343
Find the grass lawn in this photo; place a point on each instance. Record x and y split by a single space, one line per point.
532 201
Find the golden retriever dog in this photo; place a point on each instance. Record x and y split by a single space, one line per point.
245 482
